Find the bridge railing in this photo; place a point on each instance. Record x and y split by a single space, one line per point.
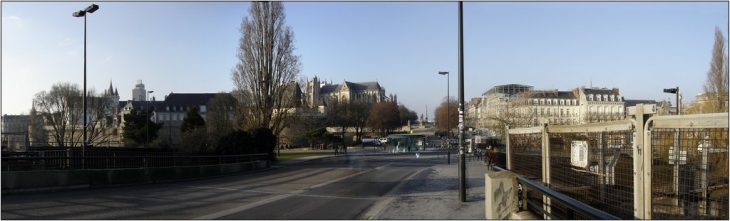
117 160
631 169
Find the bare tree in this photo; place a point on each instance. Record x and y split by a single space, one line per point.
716 86
450 114
360 111
219 122
265 68
515 113
384 117
62 111
338 115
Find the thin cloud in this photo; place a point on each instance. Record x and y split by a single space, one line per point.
65 42
108 58
11 18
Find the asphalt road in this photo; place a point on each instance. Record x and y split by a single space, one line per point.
330 188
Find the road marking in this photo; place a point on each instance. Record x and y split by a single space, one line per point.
375 210
345 177
242 208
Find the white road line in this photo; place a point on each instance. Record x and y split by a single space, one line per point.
374 211
242 208
345 177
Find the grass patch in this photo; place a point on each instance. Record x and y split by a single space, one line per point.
289 156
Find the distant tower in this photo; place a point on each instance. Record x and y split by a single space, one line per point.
426 112
313 87
113 94
139 93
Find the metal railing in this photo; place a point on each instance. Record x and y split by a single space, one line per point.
118 160
533 192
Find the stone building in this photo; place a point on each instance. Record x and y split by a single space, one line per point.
321 92
14 128
523 106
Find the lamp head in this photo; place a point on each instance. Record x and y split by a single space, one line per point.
443 72
79 13
92 8
150 92
670 90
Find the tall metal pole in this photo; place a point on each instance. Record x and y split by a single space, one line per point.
462 159
147 123
448 103
83 149
679 103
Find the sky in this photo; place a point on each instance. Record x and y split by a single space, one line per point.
190 47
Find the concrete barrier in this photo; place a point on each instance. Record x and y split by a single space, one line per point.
500 194
19 180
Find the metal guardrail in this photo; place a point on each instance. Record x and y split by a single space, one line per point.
25 163
573 205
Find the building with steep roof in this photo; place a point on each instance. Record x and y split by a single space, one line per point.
321 92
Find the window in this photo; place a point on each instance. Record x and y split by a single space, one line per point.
202 108
168 108
550 102
174 116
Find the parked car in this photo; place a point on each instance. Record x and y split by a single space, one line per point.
370 142
383 140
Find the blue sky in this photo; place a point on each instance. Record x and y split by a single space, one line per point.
640 48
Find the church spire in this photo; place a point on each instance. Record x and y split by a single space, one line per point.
111 91
116 92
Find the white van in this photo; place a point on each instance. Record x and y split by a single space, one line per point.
383 140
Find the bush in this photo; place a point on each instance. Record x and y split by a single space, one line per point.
263 140
195 141
235 143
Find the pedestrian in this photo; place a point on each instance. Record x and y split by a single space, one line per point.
489 157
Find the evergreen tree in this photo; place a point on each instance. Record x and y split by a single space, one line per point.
135 127
192 120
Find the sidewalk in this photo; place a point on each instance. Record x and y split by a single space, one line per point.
432 193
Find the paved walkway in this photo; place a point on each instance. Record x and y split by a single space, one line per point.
433 193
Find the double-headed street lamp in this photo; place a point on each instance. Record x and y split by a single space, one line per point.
82 13
448 103
679 97
147 140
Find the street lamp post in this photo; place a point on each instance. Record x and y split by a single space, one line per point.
679 97
82 13
448 133
147 140
462 157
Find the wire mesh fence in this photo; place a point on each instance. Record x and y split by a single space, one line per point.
595 168
526 155
689 173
